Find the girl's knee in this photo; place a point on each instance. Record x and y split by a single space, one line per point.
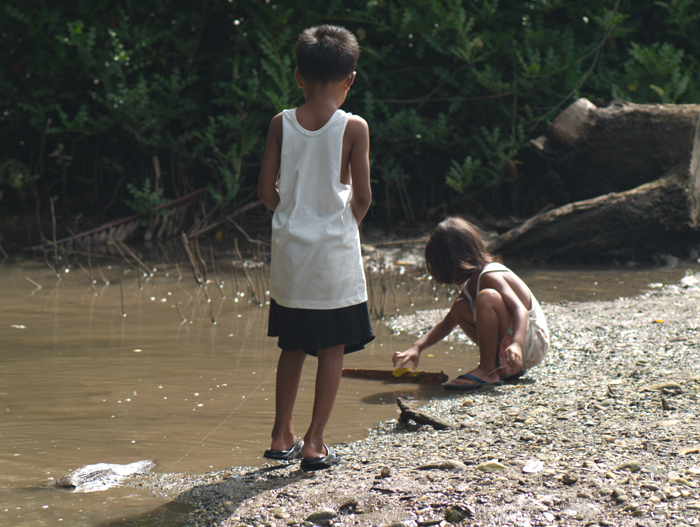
489 298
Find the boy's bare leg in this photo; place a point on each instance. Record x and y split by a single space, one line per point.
492 318
287 385
330 369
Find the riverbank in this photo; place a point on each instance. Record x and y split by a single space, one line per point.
605 432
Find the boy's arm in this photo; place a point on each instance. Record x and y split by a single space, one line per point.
359 167
270 168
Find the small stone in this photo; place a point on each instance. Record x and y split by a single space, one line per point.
385 472
321 515
491 466
617 491
632 466
569 479
695 505
679 481
650 486
453 465
622 498
278 513
661 386
631 507
548 516
533 467
456 513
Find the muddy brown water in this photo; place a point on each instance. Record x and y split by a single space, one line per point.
81 383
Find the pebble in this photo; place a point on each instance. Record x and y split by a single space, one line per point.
491 466
321 515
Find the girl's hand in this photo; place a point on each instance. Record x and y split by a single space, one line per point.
412 354
514 356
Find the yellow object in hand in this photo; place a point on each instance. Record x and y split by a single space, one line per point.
400 372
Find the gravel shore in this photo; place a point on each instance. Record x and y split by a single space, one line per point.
605 432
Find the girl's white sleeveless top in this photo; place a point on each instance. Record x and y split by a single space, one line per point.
316 255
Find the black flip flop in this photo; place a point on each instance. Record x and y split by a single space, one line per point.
476 385
512 379
320 463
285 455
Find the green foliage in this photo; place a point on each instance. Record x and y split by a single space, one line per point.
16 175
143 200
655 73
452 91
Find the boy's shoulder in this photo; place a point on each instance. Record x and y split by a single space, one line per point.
356 126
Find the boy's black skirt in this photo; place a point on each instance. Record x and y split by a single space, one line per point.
311 330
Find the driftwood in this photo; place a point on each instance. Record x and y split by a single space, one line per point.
653 215
417 377
649 219
407 414
594 151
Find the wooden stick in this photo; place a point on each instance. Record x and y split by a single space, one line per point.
419 417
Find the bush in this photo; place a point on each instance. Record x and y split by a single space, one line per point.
97 95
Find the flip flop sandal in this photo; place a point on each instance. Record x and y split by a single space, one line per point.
469 387
285 455
513 378
320 463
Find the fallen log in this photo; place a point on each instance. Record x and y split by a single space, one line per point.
421 418
415 376
595 150
661 216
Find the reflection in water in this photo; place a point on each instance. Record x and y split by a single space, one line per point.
187 376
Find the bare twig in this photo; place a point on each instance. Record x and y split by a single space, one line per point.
251 240
33 282
53 220
247 276
213 270
193 262
177 306
121 289
102 276
235 213
199 255
92 284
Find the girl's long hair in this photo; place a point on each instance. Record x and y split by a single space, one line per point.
455 251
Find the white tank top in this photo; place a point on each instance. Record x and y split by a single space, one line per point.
316 256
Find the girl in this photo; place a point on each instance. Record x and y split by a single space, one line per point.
495 309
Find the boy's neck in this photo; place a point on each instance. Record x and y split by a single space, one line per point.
322 100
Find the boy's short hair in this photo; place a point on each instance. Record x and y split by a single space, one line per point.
326 53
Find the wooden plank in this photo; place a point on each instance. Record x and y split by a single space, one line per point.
387 376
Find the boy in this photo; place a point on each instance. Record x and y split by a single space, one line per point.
315 177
